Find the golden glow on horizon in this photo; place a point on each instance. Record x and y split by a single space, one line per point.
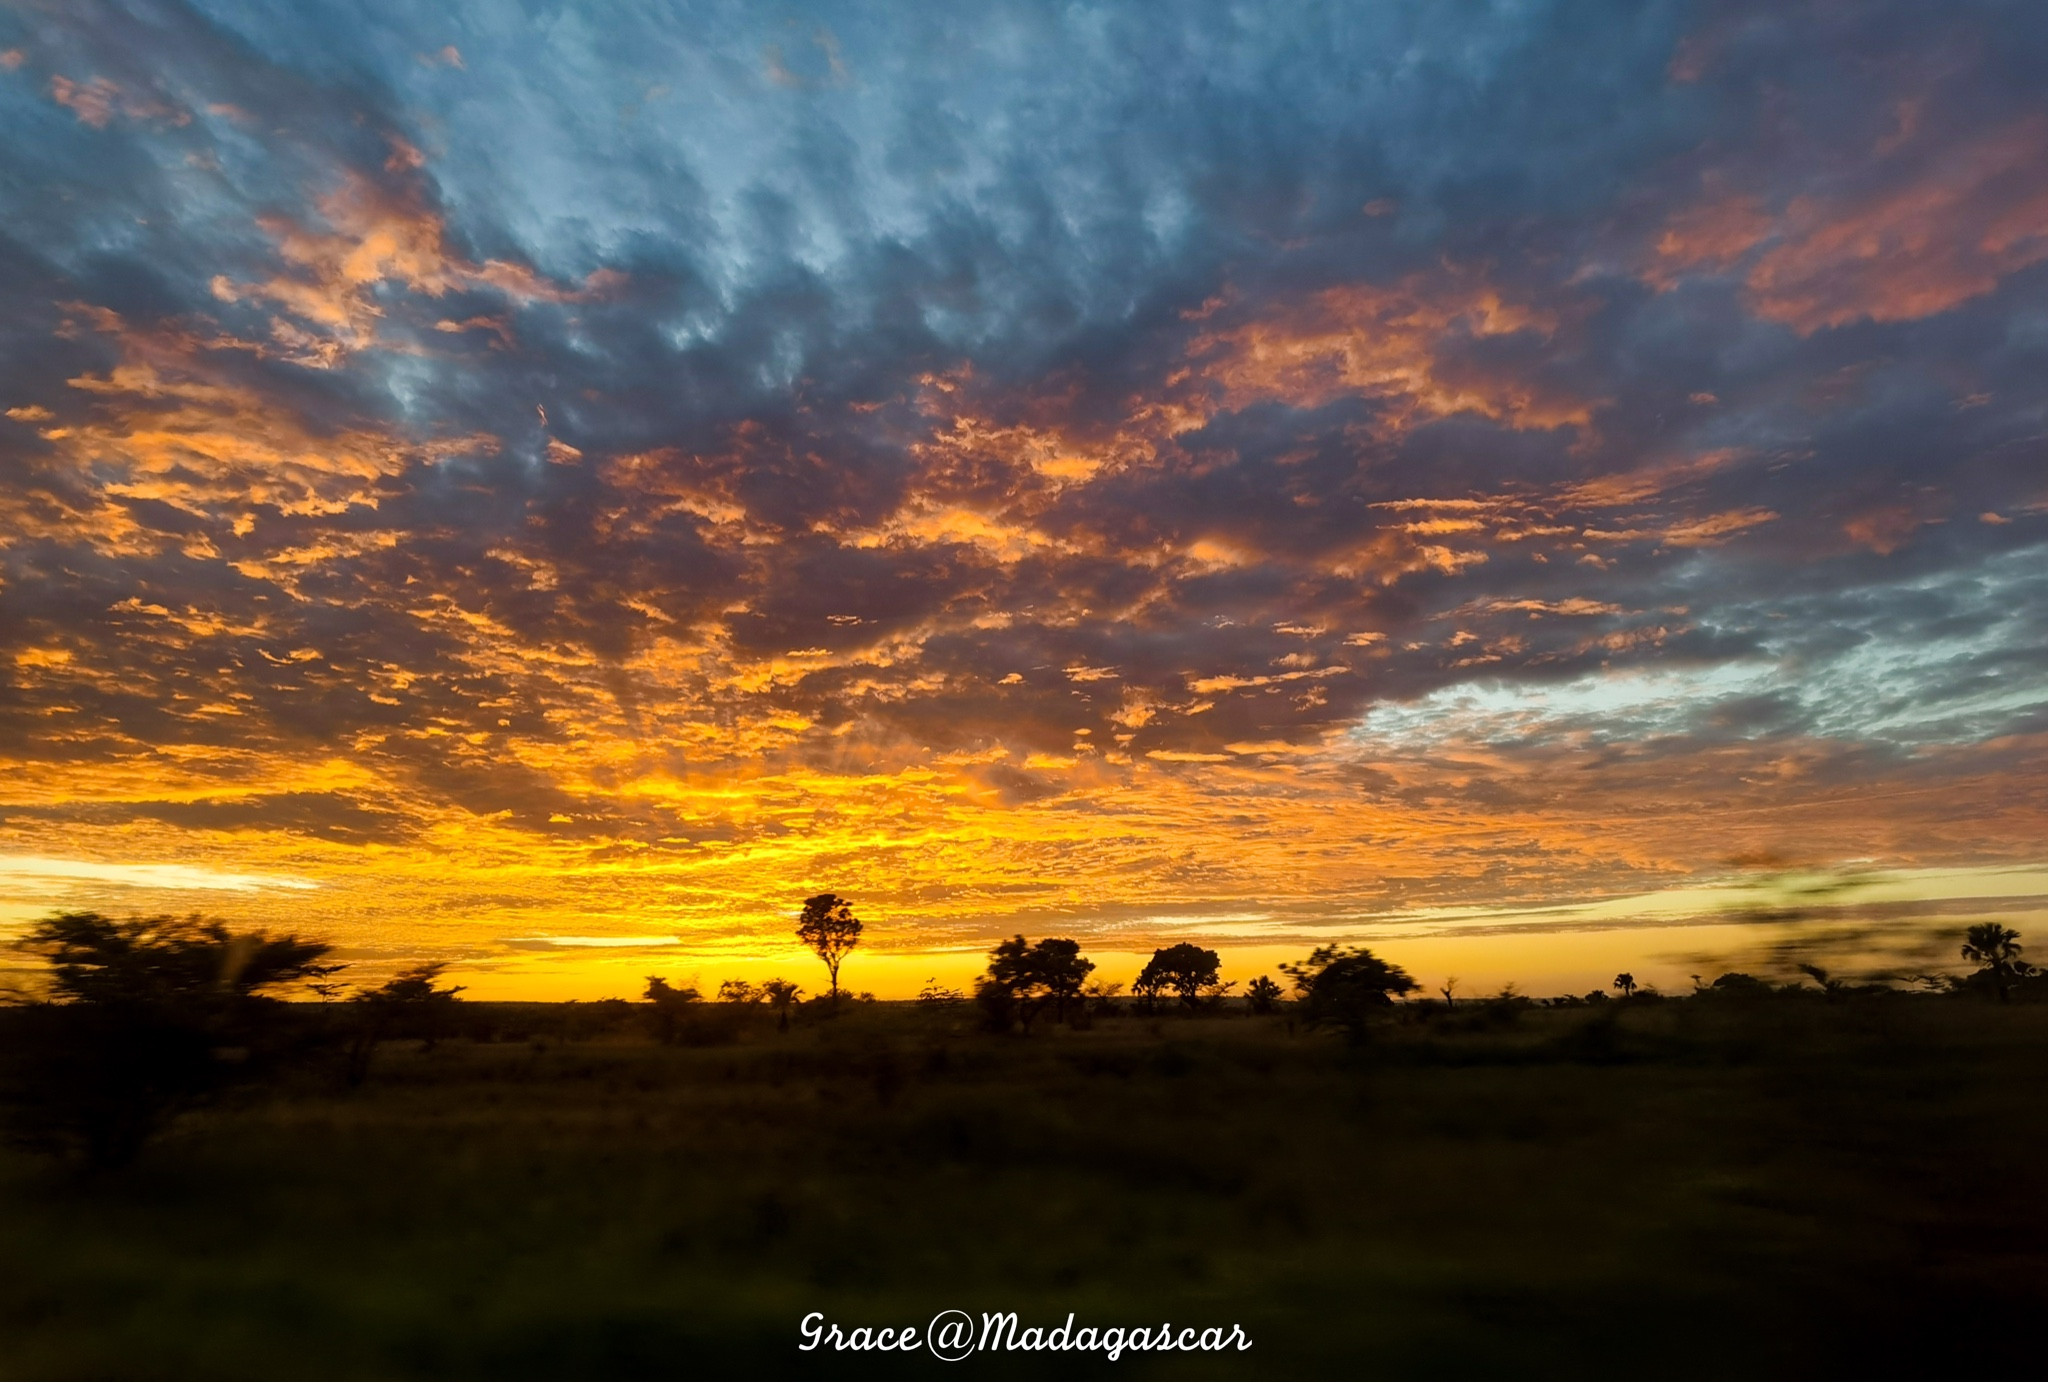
515 946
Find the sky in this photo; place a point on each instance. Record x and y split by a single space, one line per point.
1537 487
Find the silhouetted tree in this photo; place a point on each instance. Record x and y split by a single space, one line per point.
1101 998
740 991
1263 994
661 991
936 994
1147 987
782 996
166 962
144 1018
1832 988
1186 969
670 1006
997 1002
1347 986
1009 964
829 927
417 990
1450 987
410 1004
1995 950
1059 970
1626 982
1051 971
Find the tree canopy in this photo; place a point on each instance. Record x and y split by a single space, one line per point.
1184 969
164 960
829 927
1032 975
1995 950
1347 986
143 1014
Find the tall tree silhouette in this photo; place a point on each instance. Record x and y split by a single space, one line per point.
829 927
1626 982
1995 950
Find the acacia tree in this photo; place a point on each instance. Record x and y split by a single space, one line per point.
167 962
829 927
1995 950
1186 969
1626 983
140 1015
411 1004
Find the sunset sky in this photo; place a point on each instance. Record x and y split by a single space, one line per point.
1542 488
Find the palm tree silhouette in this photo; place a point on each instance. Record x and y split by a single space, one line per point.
1995 950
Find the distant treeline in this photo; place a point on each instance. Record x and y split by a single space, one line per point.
141 1019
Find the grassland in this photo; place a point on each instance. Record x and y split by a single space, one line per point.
1698 1189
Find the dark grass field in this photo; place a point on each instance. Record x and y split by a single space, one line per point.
1697 1189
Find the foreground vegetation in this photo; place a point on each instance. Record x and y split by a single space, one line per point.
1744 1183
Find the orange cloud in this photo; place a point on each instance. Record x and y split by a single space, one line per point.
1883 530
170 422
1712 236
97 100
1635 486
1387 555
1910 251
371 236
1389 343
1575 606
1557 519
1928 230
1715 529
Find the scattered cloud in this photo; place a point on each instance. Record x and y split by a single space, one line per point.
1438 471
